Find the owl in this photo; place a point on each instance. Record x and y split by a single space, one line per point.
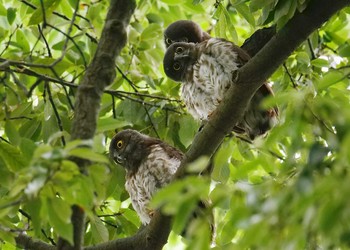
150 164
189 31
206 72
184 31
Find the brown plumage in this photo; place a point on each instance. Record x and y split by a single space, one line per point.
206 71
150 164
184 31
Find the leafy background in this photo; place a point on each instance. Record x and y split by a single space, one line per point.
288 190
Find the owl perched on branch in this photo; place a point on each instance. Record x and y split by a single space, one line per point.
206 72
150 164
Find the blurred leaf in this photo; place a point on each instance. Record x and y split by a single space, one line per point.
172 2
109 123
320 63
243 9
344 50
11 15
198 165
329 79
88 154
37 16
59 215
22 41
12 157
12 133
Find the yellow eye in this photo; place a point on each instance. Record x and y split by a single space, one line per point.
119 144
177 66
179 50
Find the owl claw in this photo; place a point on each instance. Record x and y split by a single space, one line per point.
151 213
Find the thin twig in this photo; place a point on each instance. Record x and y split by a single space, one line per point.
290 76
59 121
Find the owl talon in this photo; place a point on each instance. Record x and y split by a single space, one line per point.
151 213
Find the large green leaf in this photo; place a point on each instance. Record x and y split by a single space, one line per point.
12 157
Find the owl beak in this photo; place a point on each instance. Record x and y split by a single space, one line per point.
179 57
118 158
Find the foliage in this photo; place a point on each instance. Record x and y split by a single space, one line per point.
286 190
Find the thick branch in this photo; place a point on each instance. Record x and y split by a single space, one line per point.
101 71
249 79
99 74
28 242
253 74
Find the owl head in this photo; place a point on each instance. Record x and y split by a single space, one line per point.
179 59
184 31
128 148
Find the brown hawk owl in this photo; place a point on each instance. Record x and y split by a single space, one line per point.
150 164
190 32
184 31
206 71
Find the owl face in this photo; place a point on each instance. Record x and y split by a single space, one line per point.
184 31
128 149
179 59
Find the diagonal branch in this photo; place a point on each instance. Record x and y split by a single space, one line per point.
249 78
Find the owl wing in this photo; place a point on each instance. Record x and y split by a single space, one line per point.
164 161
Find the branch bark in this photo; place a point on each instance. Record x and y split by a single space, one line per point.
249 78
27 242
99 74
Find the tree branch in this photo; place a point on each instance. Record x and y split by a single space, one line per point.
28 242
99 74
249 78
253 74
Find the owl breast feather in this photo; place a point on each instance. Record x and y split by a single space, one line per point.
155 171
212 76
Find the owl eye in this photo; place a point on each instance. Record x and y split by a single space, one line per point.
177 66
119 144
179 50
168 41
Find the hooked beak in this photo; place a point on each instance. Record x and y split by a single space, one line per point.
118 158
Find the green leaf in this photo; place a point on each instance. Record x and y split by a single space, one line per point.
22 41
11 15
344 50
319 62
303 57
224 24
198 165
33 207
221 171
60 218
37 16
12 133
243 9
173 2
109 123
151 32
329 79
259 4
12 157
99 230
88 154
184 213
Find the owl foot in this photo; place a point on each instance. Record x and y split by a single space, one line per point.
151 213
